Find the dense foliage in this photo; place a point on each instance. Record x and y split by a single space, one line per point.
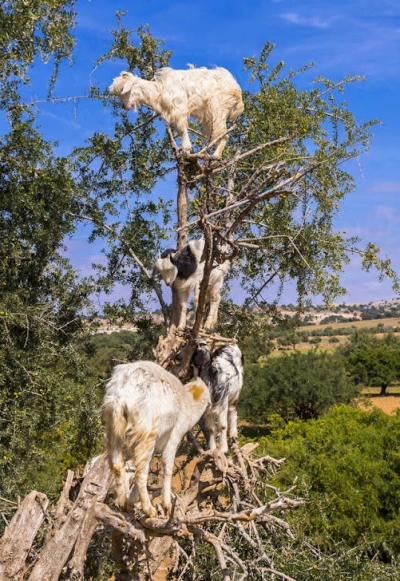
373 361
105 350
296 385
43 400
346 464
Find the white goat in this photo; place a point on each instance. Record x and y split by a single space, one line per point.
183 271
212 96
222 372
147 410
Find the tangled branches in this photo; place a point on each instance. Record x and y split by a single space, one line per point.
224 515
229 507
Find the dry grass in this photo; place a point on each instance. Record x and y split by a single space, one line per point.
325 346
388 403
370 324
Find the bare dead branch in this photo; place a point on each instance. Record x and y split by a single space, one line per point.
19 535
62 506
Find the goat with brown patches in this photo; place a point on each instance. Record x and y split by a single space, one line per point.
148 410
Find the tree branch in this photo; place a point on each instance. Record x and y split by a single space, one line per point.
149 275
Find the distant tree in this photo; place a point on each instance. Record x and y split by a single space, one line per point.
373 361
315 340
291 338
333 319
379 366
254 347
296 385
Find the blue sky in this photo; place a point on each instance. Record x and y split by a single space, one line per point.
361 37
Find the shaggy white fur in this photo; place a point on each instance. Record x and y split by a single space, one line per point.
146 410
211 96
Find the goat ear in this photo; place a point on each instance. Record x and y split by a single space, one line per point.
185 251
174 257
127 87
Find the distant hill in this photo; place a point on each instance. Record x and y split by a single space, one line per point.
314 315
346 312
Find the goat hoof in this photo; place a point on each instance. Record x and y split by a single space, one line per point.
167 509
151 512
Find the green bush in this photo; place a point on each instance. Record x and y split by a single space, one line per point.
347 466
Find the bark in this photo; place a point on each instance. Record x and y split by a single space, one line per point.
56 552
119 521
182 204
89 525
62 507
16 543
384 387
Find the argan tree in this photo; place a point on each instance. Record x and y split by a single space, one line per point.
267 205
41 298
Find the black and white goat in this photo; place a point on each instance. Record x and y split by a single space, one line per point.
183 271
222 372
212 96
146 410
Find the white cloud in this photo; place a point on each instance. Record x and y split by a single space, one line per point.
309 21
388 213
384 188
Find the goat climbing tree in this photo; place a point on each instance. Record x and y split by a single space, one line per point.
267 205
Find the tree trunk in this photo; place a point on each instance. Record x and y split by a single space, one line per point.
57 551
384 387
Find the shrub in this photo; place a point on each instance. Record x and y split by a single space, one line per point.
347 466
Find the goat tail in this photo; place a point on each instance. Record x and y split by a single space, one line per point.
114 414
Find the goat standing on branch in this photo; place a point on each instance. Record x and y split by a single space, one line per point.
211 96
183 271
147 410
222 372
